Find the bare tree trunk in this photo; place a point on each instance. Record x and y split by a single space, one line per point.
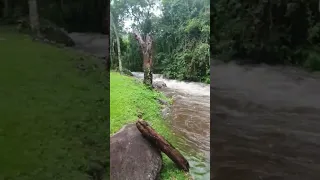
119 50
146 48
118 42
162 144
34 17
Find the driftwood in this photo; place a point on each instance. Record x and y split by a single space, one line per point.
162 144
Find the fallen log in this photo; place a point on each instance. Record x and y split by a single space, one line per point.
162 144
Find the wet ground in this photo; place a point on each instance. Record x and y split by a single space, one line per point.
265 123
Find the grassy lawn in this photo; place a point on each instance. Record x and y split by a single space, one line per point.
127 99
53 111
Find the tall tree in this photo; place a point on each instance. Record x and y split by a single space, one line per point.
34 17
180 33
118 41
141 13
146 49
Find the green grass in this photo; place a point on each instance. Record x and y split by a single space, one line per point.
53 111
128 98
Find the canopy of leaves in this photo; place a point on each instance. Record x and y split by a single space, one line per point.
180 32
270 31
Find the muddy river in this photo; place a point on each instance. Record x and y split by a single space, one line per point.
265 123
189 119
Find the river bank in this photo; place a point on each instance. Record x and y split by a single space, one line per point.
189 120
189 117
128 98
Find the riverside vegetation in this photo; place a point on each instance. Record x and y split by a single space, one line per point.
134 98
272 32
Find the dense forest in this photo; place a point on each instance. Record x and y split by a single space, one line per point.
180 30
80 16
273 32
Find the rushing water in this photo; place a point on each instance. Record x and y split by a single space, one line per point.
190 121
93 43
265 123
190 112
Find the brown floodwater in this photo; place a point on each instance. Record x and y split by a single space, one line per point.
189 119
265 123
190 112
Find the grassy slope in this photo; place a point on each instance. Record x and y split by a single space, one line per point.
127 99
52 114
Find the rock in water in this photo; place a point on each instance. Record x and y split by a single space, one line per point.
165 112
159 84
132 157
163 102
127 72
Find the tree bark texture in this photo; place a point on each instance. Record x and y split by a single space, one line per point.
118 41
34 17
146 49
162 144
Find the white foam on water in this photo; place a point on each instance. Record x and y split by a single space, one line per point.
191 88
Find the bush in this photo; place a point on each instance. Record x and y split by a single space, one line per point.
49 31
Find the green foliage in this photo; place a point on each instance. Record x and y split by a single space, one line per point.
312 59
266 31
79 16
189 64
182 40
131 54
180 34
53 111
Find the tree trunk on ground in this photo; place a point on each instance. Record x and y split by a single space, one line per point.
118 42
146 48
149 133
34 17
